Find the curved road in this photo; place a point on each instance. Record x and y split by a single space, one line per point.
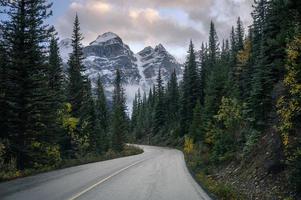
157 174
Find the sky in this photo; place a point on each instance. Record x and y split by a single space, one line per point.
142 23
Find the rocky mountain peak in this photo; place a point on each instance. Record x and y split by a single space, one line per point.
146 51
65 46
66 42
107 37
160 48
108 53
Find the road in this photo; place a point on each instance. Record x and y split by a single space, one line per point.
157 174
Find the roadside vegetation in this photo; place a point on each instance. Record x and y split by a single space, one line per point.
9 171
49 117
237 110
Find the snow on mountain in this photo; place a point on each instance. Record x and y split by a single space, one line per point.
65 49
108 37
108 53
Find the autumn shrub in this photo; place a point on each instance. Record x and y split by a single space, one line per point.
220 190
225 132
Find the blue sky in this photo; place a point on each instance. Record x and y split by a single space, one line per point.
143 23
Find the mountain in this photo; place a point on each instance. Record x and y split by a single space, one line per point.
108 52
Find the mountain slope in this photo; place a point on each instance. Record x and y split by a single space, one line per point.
108 52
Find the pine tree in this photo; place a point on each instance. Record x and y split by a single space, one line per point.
191 89
239 35
3 88
213 49
56 82
159 117
262 80
76 68
102 117
216 76
28 93
173 98
87 121
203 72
195 130
232 83
119 124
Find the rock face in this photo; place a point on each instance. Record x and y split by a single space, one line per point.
108 53
150 60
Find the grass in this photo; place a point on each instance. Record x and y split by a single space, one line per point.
218 190
13 173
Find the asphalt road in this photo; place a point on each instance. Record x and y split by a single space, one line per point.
157 174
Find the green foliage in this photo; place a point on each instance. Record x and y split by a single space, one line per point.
226 132
102 119
289 107
230 113
27 94
188 145
160 107
76 67
190 90
220 190
296 171
44 155
251 140
119 128
196 131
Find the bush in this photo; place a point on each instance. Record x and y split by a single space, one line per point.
251 141
9 171
220 190
296 172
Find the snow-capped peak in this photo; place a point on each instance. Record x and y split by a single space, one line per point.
65 42
108 36
65 46
160 48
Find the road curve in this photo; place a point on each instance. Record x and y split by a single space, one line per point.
157 174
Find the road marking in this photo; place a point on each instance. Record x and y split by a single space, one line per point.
104 180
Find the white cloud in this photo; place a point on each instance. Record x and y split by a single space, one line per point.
142 22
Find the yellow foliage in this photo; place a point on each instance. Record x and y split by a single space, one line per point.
188 145
70 124
230 112
243 56
288 107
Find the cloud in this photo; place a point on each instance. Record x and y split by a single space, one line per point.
149 22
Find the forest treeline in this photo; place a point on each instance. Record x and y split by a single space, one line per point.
48 115
234 92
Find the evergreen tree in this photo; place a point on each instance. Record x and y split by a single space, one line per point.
159 118
76 68
27 94
203 72
173 98
213 49
191 91
56 81
87 121
102 117
56 76
195 130
239 35
216 82
135 112
119 124
3 88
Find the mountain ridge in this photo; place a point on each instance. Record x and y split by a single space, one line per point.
108 52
